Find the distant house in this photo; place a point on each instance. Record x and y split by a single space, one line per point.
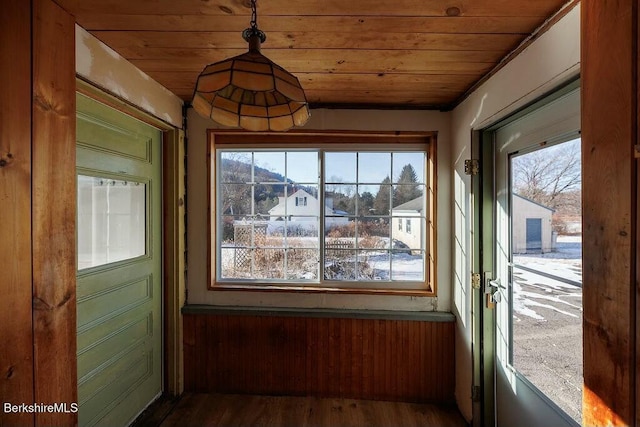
531 226
302 206
406 222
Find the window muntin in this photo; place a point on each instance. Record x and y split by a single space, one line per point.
282 244
264 232
366 189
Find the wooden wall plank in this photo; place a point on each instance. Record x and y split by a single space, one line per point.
417 359
609 217
368 98
54 210
367 359
388 368
173 248
301 355
637 128
339 39
16 328
323 65
436 83
189 355
204 353
358 357
310 60
430 360
377 24
331 357
400 97
377 352
319 335
503 8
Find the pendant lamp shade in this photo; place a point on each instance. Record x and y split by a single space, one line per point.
251 92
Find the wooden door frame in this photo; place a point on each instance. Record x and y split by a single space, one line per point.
173 239
610 62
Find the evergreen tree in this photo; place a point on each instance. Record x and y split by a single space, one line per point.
407 187
381 201
365 203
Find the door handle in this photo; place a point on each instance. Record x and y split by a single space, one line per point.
492 288
492 285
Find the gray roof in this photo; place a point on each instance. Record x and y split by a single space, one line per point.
412 205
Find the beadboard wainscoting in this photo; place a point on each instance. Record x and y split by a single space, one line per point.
379 356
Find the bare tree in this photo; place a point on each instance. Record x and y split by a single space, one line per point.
236 172
550 176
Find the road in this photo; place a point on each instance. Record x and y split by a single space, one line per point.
547 326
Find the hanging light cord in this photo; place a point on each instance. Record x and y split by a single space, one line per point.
253 30
254 16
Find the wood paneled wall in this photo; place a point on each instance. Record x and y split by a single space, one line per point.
610 221
16 354
376 359
54 210
37 207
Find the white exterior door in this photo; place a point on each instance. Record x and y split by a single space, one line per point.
537 300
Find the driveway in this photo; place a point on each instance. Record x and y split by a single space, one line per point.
547 323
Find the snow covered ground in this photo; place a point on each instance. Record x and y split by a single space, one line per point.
399 264
547 322
565 262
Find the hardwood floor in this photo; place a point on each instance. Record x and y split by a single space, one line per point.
198 409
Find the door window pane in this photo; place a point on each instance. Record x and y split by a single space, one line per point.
546 240
111 220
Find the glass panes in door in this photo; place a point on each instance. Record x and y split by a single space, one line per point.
111 220
546 285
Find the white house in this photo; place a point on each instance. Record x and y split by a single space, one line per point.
531 226
406 222
302 206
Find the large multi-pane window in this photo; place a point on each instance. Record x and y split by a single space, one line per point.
326 216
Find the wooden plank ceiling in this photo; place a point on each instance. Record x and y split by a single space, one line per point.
402 53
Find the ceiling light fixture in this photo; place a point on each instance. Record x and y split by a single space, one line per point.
250 91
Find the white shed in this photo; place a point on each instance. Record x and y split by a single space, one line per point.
531 227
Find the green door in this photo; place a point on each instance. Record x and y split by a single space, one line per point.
119 265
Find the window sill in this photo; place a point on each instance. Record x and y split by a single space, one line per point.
421 316
318 289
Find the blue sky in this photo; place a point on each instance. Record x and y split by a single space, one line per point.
370 167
